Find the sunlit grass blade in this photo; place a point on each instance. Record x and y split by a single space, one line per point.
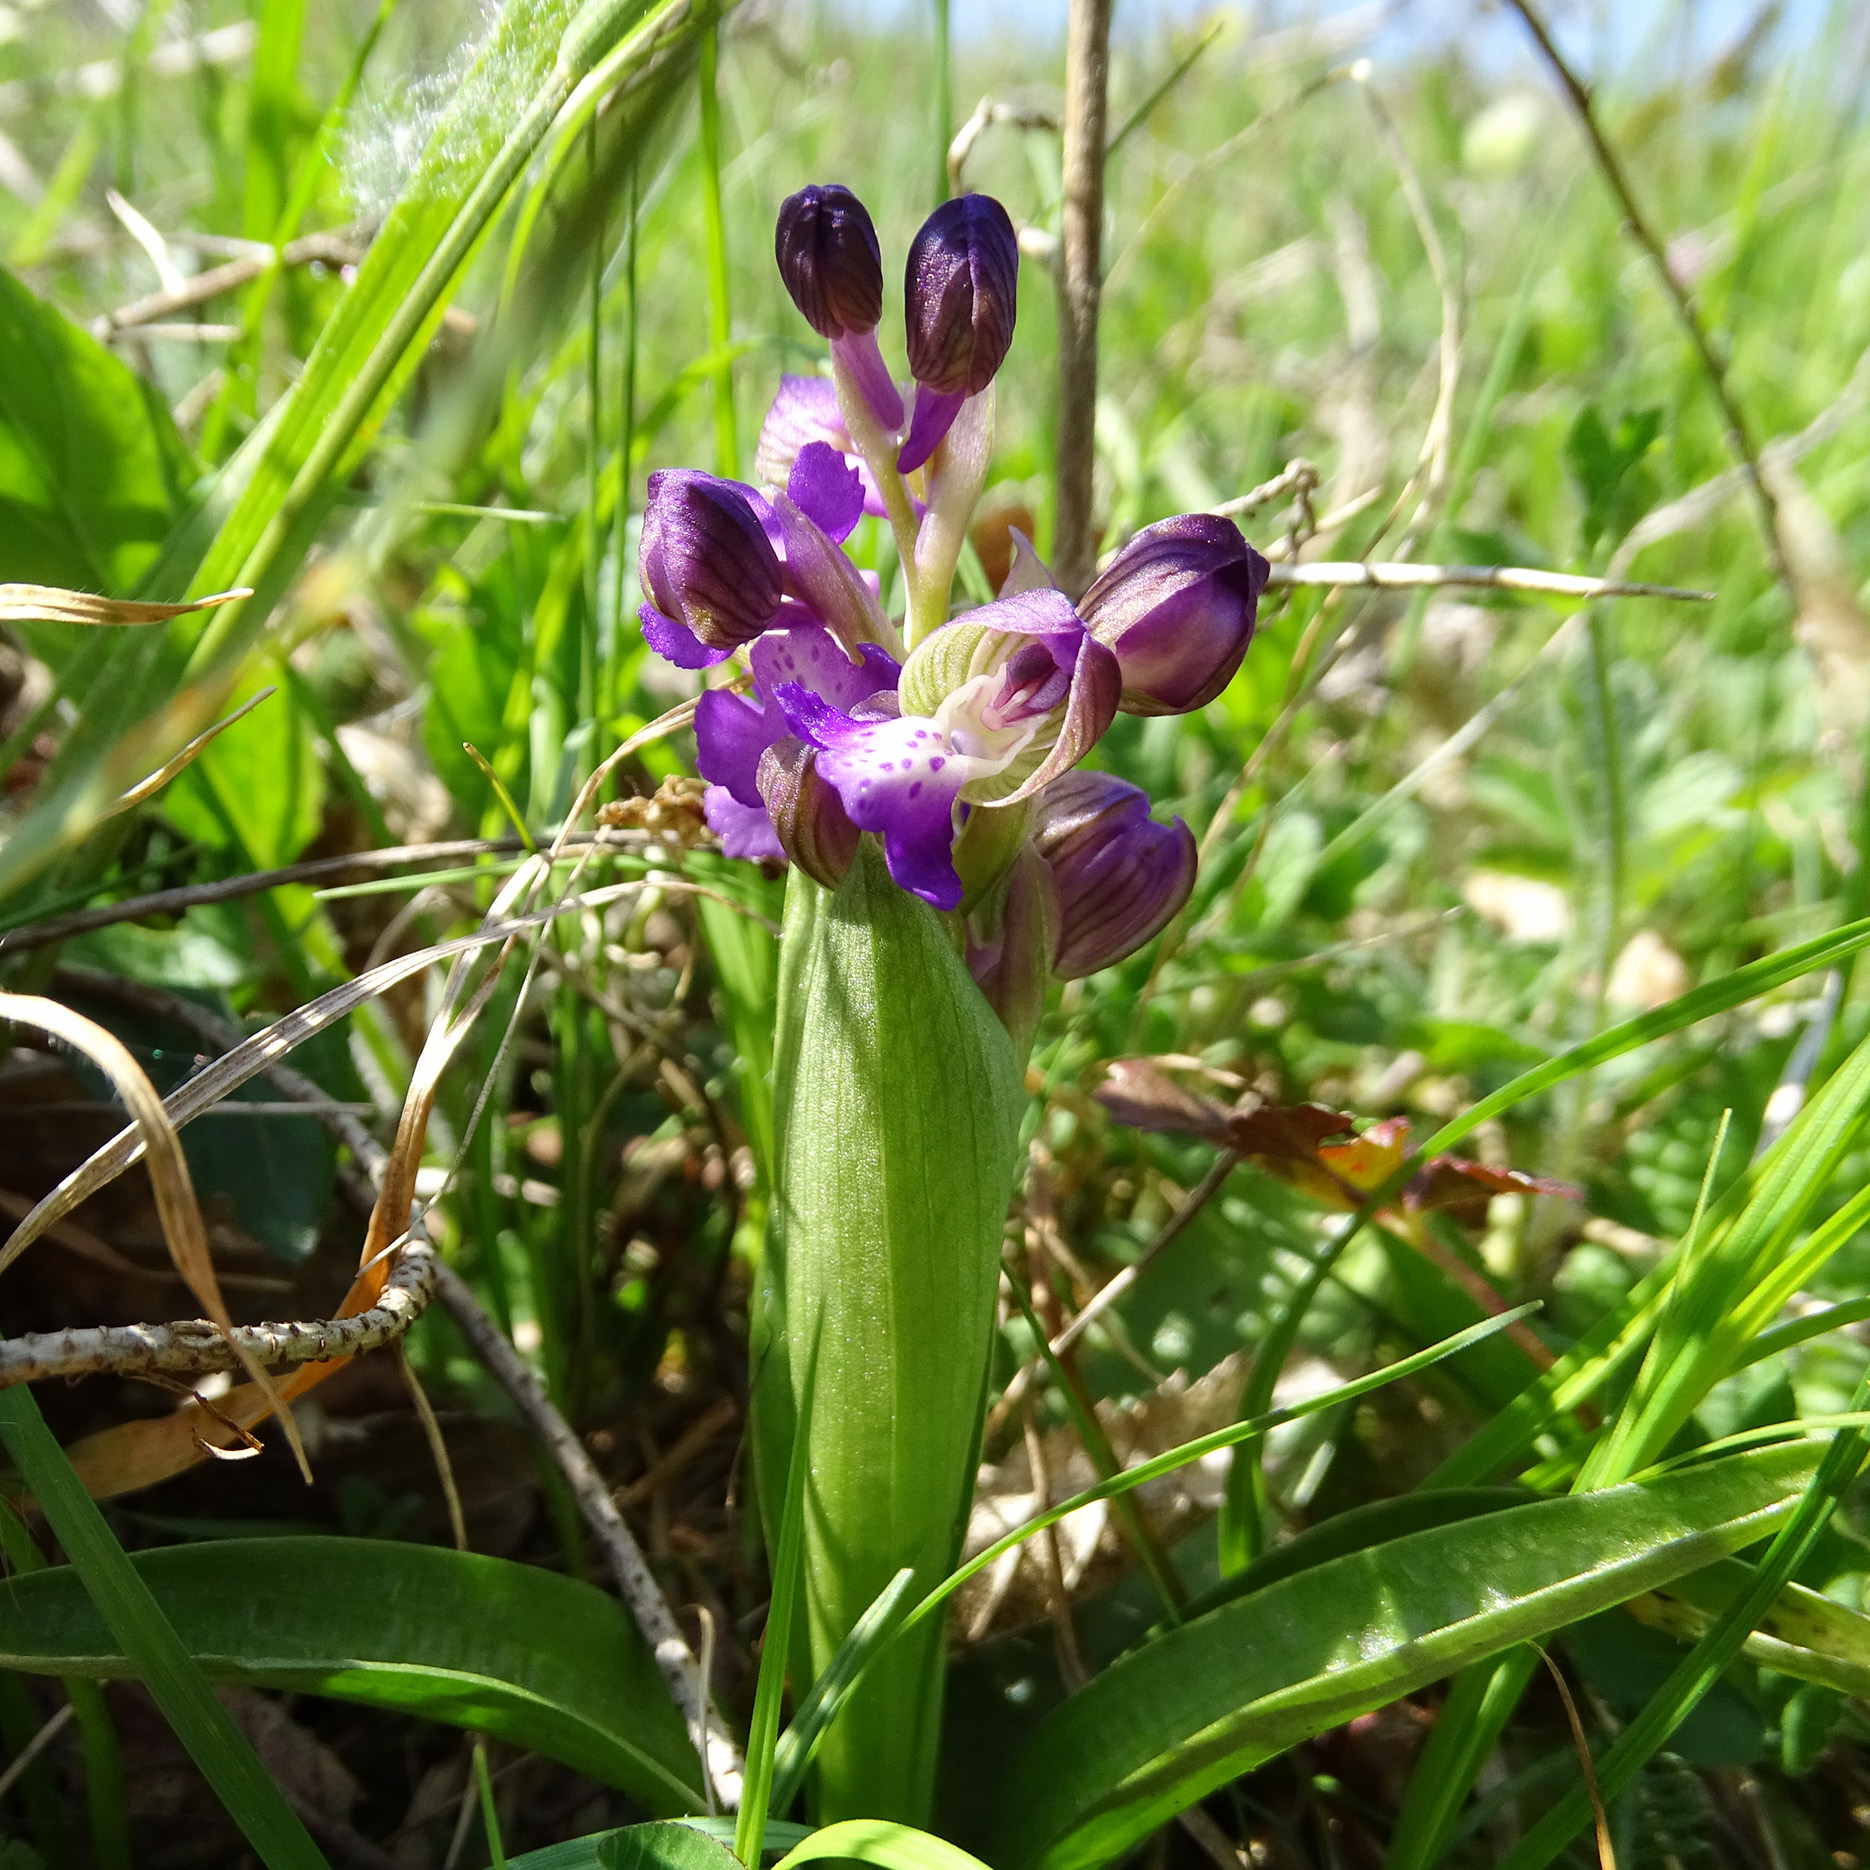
792 1758
756 1800
175 1682
1145 1471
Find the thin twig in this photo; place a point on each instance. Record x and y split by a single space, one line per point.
1112 1290
323 249
1080 285
1739 436
636 1584
1172 1229
1699 504
228 889
193 1347
438 1448
54 1726
987 112
1390 576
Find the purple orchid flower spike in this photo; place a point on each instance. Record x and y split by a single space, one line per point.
1178 605
1117 876
733 734
710 576
993 707
961 295
829 258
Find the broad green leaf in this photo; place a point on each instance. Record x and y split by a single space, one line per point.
91 467
543 1661
663 1847
583 1853
877 1841
106 1592
1170 1722
898 1098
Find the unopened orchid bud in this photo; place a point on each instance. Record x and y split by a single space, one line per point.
830 260
807 816
1177 605
961 294
710 576
1011 938
1117 874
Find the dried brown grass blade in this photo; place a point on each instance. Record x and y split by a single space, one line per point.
144 788
46 603
252 1056
176 1205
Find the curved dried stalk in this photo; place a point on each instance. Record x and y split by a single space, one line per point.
45 603
176 1206
193 1347
264 1049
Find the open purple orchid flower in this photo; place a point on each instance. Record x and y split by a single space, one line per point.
1015 694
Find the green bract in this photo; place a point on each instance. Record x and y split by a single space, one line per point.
897 1109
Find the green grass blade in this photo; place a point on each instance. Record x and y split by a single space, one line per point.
756 1796
1731 990
1145 1471
714 224
149 1643
793 1756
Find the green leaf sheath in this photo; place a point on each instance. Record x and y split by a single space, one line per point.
540 1660
897 1097
1193 1709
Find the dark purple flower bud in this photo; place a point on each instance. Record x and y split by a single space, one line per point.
961 292
1118 875
830 260
710 576
1177 605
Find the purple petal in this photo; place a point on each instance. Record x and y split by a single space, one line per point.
825 581
744 830
934 417
806 410
1096 689
895 777
811 657
826 489
676 642
730 735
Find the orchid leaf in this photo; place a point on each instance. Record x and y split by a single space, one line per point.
1170 1722
544 1661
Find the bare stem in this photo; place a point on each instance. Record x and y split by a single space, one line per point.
1739 436
1080 283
